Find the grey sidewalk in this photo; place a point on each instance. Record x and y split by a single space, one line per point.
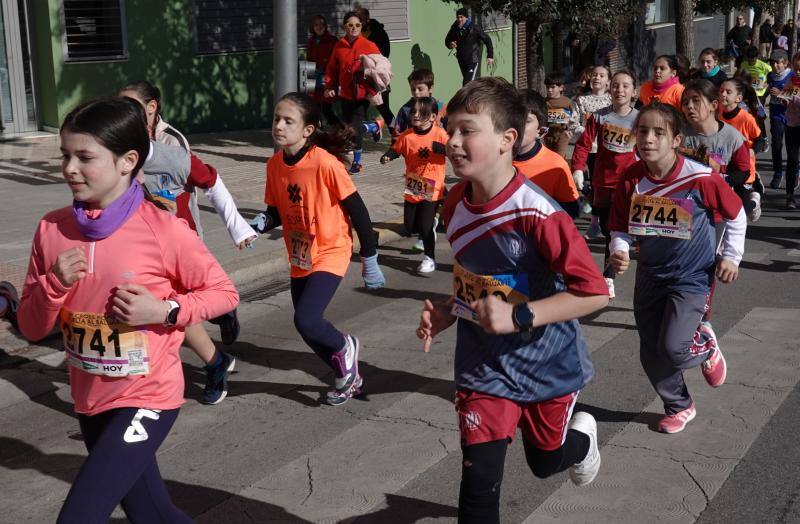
31 185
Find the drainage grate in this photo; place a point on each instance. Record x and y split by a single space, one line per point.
264 292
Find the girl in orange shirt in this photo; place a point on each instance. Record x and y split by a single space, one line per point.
422 146
731 94
665 86
309 192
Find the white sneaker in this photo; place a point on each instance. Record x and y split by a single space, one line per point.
428 265
610 284
586 470
418 245
755 213
586 208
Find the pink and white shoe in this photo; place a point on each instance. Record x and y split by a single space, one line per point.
675 423
714 369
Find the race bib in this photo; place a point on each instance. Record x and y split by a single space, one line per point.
420 186
789 92
102 345
618 139
558 116
661 216
468 287
300 249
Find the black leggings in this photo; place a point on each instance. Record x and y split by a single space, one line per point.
482 473
418 218
792 156
121 468
602 217
311 296
353 114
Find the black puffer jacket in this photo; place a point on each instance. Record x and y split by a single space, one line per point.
378 36
468 39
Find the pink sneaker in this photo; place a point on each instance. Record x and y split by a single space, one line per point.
675 423
714 368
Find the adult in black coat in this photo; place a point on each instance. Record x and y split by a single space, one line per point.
465 37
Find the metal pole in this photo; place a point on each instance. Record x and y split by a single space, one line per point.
285 50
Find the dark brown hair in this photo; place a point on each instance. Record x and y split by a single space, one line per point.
671 114
421 76
496 97
336 141
703 87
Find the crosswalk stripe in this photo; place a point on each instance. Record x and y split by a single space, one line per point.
646 476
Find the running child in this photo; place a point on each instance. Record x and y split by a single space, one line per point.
709 67
731 95
171 177
612 130
309 192
522 277
597 98
541 165
668 202
791 94
779 83
715 143
665 86
757 69
422 146
562 116
121 310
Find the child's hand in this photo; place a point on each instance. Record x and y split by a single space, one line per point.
329 93
434 320
727 271
619 261
494 315
774 91
70 266
577 177
136 306
247 242
384 159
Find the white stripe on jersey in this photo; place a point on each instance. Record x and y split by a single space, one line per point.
462 241
688 173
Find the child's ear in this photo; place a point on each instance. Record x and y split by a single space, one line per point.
308 130
510 136
127 162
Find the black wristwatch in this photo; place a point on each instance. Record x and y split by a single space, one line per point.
523 316
172 314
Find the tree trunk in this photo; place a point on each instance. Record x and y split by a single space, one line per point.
684 28
535 62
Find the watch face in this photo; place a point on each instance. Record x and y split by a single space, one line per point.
172 318
523 316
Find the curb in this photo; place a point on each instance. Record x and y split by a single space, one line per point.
277 264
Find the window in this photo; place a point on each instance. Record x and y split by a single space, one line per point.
93 30
232 26
660 12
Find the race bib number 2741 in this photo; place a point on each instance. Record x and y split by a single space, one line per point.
102 345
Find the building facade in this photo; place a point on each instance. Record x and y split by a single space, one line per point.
212 59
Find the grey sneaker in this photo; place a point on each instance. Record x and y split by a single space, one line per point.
586 470
345 367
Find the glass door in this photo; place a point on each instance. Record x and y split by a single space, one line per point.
17 107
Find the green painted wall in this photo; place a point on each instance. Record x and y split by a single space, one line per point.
215 93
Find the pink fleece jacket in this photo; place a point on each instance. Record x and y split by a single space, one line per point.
153 249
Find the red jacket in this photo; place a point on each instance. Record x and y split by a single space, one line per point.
320 49
344 68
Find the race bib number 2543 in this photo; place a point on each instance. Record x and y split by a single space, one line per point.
468 287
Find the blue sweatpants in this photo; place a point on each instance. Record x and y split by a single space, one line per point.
311 296
122 469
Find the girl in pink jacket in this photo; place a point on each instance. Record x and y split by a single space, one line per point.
111 271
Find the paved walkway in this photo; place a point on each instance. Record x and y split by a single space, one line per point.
33 165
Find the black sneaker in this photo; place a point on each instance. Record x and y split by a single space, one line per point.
217 380
8 291
790 203
228 327
775 183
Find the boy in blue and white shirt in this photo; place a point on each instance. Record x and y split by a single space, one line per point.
522 276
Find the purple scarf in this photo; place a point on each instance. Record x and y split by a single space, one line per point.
112 217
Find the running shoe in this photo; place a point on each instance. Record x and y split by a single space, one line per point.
586 470
714 369
610 284
228 327
345 368
758 185
217 380
675 423
9 292
355 168
586 208
594 231
775 183
259 223
418 245
428 265
755 211
791 203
